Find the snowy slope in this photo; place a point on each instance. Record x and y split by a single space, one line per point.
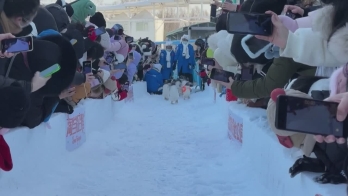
149 148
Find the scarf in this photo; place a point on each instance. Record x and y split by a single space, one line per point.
168 59
185 51
7 25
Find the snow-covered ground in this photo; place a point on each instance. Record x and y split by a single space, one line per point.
151 148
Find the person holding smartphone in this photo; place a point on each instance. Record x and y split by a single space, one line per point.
14 15
133 60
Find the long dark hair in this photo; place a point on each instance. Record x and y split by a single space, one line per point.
340 16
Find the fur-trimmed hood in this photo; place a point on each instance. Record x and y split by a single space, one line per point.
338 44
214 39
223 55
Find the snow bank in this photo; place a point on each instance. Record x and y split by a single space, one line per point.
271 161
43 145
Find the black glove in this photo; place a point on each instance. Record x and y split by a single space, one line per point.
174 66
334 156
327 178
306 164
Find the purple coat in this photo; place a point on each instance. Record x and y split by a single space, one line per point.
132 67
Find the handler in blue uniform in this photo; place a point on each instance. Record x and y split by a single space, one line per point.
167 59
185 56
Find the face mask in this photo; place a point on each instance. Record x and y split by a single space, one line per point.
184 42
169 50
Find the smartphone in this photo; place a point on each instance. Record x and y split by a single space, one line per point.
213 11
292 15
254 47
87 67
249 23
49 71
109 59
221 75
100 31
130 55
247 73
18 44
129 39
120 66
309 116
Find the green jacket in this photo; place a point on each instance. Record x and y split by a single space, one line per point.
278 75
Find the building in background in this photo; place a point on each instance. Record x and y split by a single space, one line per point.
151 18
201 30
141 25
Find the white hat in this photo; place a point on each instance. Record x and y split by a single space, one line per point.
106 74
157 66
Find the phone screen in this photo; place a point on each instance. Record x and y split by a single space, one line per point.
20 44
213 11
99 31
247 74
87 67
255 44
248 23
109 58
221 75
308 116
120 66
130 55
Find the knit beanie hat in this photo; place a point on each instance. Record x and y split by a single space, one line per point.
288 138
98 19
60 16
14 104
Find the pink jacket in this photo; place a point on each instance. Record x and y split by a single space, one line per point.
293 25
118 46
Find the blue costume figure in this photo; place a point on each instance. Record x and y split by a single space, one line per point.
167 59
185 56
154 80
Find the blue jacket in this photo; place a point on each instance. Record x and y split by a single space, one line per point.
183 63
154 80
166 72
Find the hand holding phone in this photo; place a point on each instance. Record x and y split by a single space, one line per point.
87 67
15 45
38 82
221 75
89 77
309 116
292 15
